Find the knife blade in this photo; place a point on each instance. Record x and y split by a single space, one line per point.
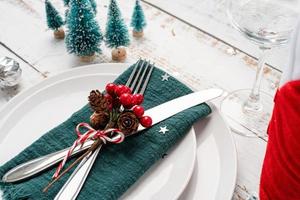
158 114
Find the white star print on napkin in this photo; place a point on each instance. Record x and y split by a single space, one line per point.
165 77
163 129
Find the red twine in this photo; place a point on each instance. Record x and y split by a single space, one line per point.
90 134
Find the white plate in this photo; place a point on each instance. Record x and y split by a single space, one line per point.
46 105
215 170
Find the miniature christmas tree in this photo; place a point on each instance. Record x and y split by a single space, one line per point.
84 36
116 34
138 21
94 5
54 20
66 15
66 2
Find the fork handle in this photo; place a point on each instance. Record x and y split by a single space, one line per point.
72 187
38 165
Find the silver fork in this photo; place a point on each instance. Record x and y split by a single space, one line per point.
138 82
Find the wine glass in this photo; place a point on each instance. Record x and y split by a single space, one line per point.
267 23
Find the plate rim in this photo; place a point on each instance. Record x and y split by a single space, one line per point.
21 97
230 134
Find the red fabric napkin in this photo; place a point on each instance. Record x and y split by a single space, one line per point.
280 178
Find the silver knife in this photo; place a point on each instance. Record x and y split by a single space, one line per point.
158 114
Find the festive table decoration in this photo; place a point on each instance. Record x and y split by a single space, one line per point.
116 33
54 20
138 21
119 54
163 129
94 6
123 163
66 14
118 111
84 36
280 176
165 77
10 72
66 2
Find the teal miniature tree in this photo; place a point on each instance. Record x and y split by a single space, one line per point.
116 33
138 21
84 36
94 6
66 2
66 15
54 20
116 30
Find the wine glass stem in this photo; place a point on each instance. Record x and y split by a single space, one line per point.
253 103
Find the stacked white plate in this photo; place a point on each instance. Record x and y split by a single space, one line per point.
202 166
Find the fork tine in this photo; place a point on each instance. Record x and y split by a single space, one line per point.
137 81
137 76
147 79
141 79
133 72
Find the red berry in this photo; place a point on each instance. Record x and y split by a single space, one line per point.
110 88
127 90
138 111
137 99
126 99
109 98
146 121
120 89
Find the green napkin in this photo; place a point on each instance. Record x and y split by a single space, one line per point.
118 166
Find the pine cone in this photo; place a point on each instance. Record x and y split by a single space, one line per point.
99 120
128 122
97 101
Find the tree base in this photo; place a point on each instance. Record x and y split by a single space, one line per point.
59 33
119 54
87 58
138 34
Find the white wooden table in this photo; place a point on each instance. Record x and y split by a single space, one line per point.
192 40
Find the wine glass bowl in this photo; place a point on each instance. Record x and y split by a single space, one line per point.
264 22
268 24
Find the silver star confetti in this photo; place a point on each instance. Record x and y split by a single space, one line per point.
165 77
163 129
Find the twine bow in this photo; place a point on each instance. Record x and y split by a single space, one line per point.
88 135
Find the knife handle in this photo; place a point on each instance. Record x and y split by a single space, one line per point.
38 165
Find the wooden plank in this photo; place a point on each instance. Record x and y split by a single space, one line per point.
251 153
165 40
210 16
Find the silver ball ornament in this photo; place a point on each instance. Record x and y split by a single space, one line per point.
10 72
